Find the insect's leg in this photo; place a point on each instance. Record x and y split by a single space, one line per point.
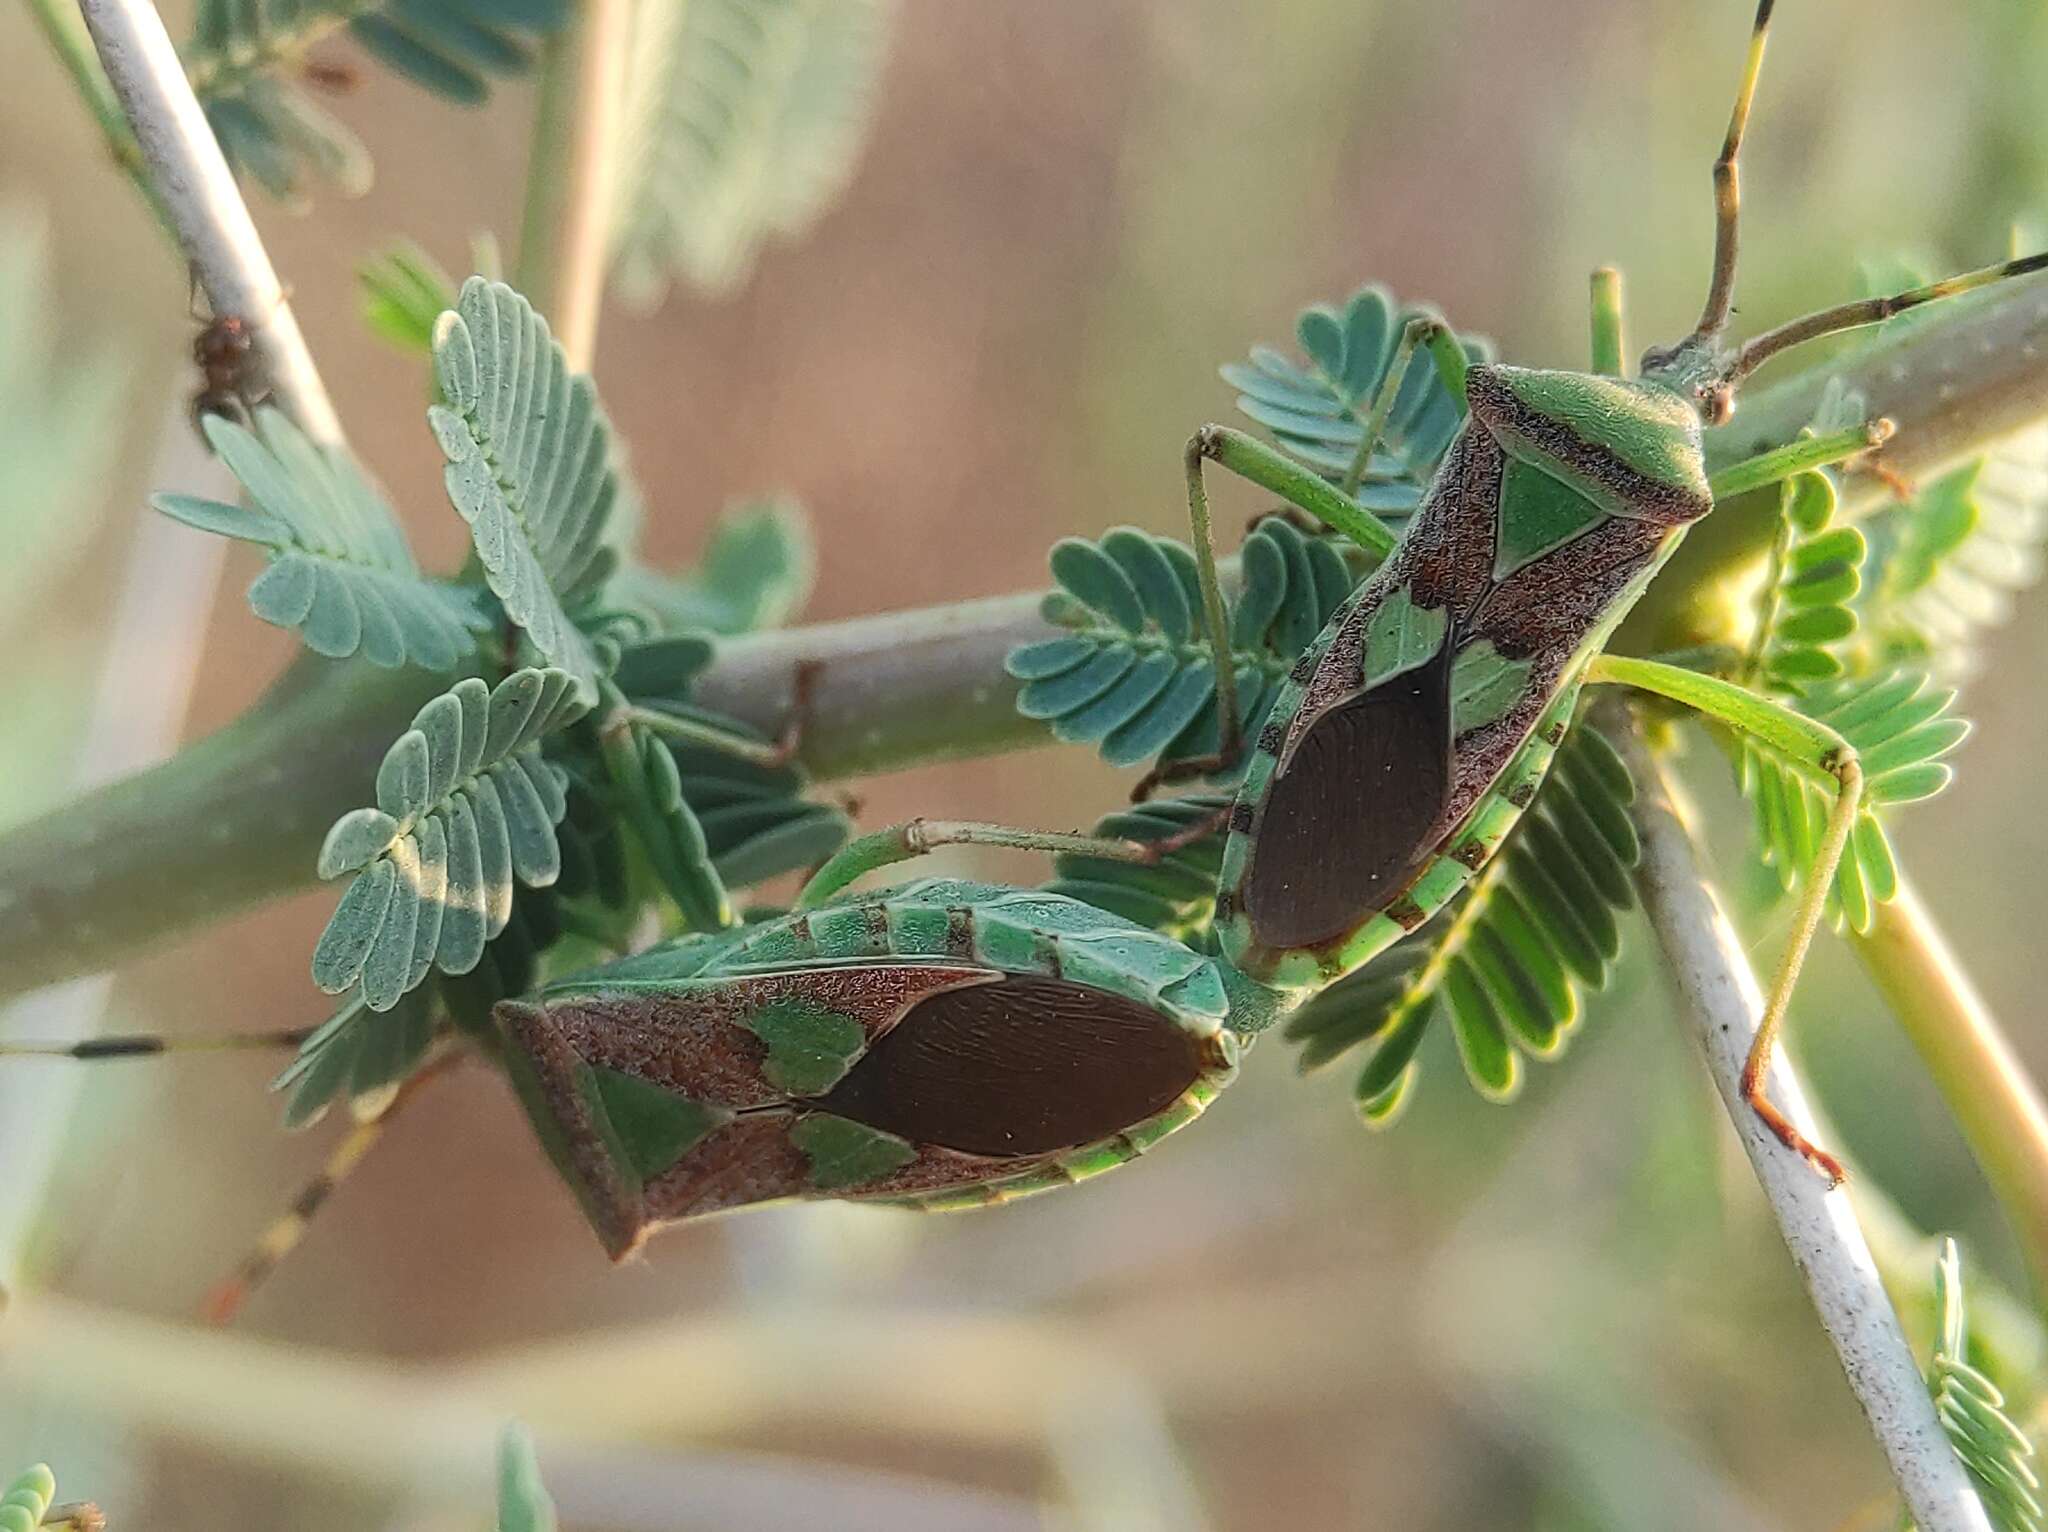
915 837
1798 457
78 1515
1451 365
1252 460
225 1301
136 1045
1821 752
1210 442
773 754
1609 347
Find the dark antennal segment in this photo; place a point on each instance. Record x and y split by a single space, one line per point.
1698 351
1868 311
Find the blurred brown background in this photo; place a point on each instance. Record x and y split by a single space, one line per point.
1567 1314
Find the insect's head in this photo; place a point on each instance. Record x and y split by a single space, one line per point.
1696 368
1704 367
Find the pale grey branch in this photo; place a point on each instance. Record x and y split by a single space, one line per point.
1719 1002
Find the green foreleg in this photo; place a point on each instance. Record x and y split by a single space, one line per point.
1828 757
1252 460
1798 457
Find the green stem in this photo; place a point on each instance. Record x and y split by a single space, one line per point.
1987 1088
1609 351
565 228
533 270
222 825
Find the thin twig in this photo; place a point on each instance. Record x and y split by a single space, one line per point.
205 206
1995 1101
566 231
1721 1004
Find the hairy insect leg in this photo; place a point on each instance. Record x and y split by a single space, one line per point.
1800 456
137 1045
1609 346
78 1515
228 1296
1821 751
914 837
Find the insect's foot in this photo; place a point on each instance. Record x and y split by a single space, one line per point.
1831 1169
1169 773
224 1300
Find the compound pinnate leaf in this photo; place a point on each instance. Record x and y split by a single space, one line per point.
1805 609
648 787
243 53
1316 410
743 120
356 1053
465 805
523 1501
1176 895
530 467
756 572
405 292
27 1499
1899 723
1949 561
1134 674
1994 1448
340 573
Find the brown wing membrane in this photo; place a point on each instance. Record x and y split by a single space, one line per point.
1026 1066
1348 821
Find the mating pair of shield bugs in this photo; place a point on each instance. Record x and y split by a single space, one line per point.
946 1044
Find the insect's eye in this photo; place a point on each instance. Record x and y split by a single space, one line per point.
1717 402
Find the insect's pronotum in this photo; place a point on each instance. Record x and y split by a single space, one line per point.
950 1044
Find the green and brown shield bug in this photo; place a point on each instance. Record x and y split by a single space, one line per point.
942 1044
951 1044
1421 721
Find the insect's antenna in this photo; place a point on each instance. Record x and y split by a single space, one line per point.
147 1044
1728 185
1869 311
228 1296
